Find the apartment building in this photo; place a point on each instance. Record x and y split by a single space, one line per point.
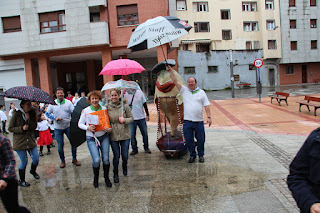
251 29
66 43
300 61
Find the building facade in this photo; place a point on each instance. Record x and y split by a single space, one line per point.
300 29
66 43
250 28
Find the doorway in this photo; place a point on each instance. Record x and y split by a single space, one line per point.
304 74
271 78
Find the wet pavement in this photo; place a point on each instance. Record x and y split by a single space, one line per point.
247 153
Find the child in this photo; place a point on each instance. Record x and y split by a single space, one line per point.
3 119
44 110
44 133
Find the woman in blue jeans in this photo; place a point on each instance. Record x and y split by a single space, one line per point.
22 124
120 116
96 140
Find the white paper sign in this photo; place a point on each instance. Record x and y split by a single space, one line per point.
93 119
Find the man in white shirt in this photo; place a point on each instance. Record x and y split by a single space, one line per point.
194 99
61 115
137 101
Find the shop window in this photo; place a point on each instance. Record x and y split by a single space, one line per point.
313 23
189 70
94 14
249 6
256 45
225 14
314 44
202 48
200 7
293 45
185 47
201 27
127 15
181 5
289 69
292 3
272 45
212 69
269 4
52 22
293 24
11 24
226 35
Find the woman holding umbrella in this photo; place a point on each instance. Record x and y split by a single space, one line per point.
22 124
120 134
96 139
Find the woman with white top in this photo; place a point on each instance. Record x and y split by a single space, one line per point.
75 99
96 140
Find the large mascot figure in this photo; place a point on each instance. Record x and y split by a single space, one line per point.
169 102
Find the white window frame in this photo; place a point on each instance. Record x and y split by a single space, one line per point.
270 24
249 6
200 6
197 29
269 4
181 5
249 26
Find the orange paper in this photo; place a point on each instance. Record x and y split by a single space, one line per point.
103 119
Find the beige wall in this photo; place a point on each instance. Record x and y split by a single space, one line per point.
239 36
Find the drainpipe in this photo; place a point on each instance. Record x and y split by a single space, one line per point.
231 74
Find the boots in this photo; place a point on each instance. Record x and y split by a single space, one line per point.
33 171
124 167
96 177
22 174
115 175
106 168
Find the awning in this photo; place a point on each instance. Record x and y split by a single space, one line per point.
197 41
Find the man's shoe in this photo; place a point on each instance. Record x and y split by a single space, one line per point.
23 183
134 152
201 159
147 151
75 162
62 164
191 159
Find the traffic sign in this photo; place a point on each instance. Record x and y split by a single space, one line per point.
258 63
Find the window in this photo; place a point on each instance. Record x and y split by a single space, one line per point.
256 45
250 26
201 27
202 48
181 5
236 77
270 24
272 44
52 22
212 69
313 23
94 14
292 3
127 15
289 70
11 24
249 6
252 67
314 44
200 7
269 4
226 35
225 14
248 45
185 47
293 45
293 24
189 70
313 3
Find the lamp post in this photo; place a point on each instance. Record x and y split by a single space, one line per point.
231 74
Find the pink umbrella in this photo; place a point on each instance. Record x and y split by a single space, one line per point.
122 67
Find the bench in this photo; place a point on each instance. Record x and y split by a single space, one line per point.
280 96
310 101
241 85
